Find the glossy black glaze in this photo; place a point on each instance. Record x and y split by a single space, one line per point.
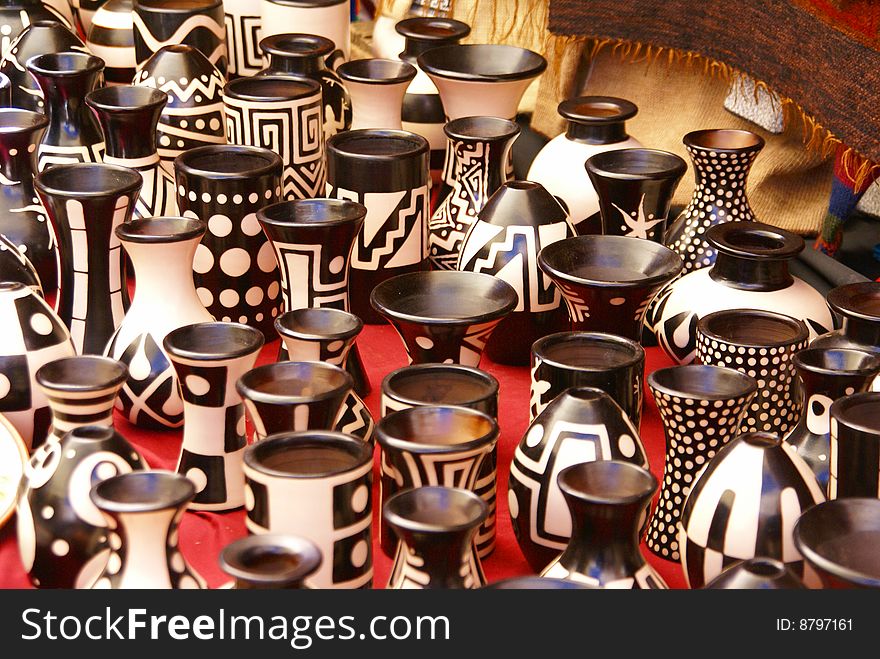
270 561
753 256
596 119
5 91
16 266
756 574
440 384
858 308
535 583
128 116
425 32
855 449
482 62
376 71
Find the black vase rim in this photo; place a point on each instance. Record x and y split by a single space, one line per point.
196 162
81 373
637 352
482 62
760 572
357 452
360 144
837 361
860 300
724 140
161 230
168 6
251 384
816 525
761 439
311 213
406 508
666 262
597 110
637 164
755 241
482 129
262 89
143 492
718 324
17 120
213 341
415 370
859 411
702 382
12 286
376 71
535 583
87 180
308 3
387 297
51 64
126 99
238 558
432 29
297 45
395 429
48 23
590 481
318 324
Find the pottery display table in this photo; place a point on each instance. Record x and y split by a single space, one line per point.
204 534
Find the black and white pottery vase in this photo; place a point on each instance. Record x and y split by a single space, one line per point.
743 505
701 408
326 18
293 396
518 221
481 146
5 91
608 501
143 510
436 528
444 316
756 574
760 344
635 188
422 108
385 40
86 203
826 374
440 384
81 391
387 172
582 424
38 38
284 115
193 116
303 56
376 87
608 281
196 23
32 335
161 250
751 271
587 359
243 23
72 135
62 537
858 307
478 80
234 268
595 124
438 445
16 15
23 220
270 561
15 266
111 37
327 335
82 12
316 485
855 446
838 541
128 117
208 359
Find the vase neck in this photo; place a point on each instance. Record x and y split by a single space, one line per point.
751 274
130 135
604 534
481 165
69 412
307 67
64 98
18 155
164 274
596 134
149 540
443 556
861 331
728 175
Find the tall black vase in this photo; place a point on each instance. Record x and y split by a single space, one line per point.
86 202
23 220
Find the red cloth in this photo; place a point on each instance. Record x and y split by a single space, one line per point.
203 535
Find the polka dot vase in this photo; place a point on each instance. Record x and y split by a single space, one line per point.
143 511
63 539
761 345
316 485
235 272
208 358
193 116
161 250
583 424
701 408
